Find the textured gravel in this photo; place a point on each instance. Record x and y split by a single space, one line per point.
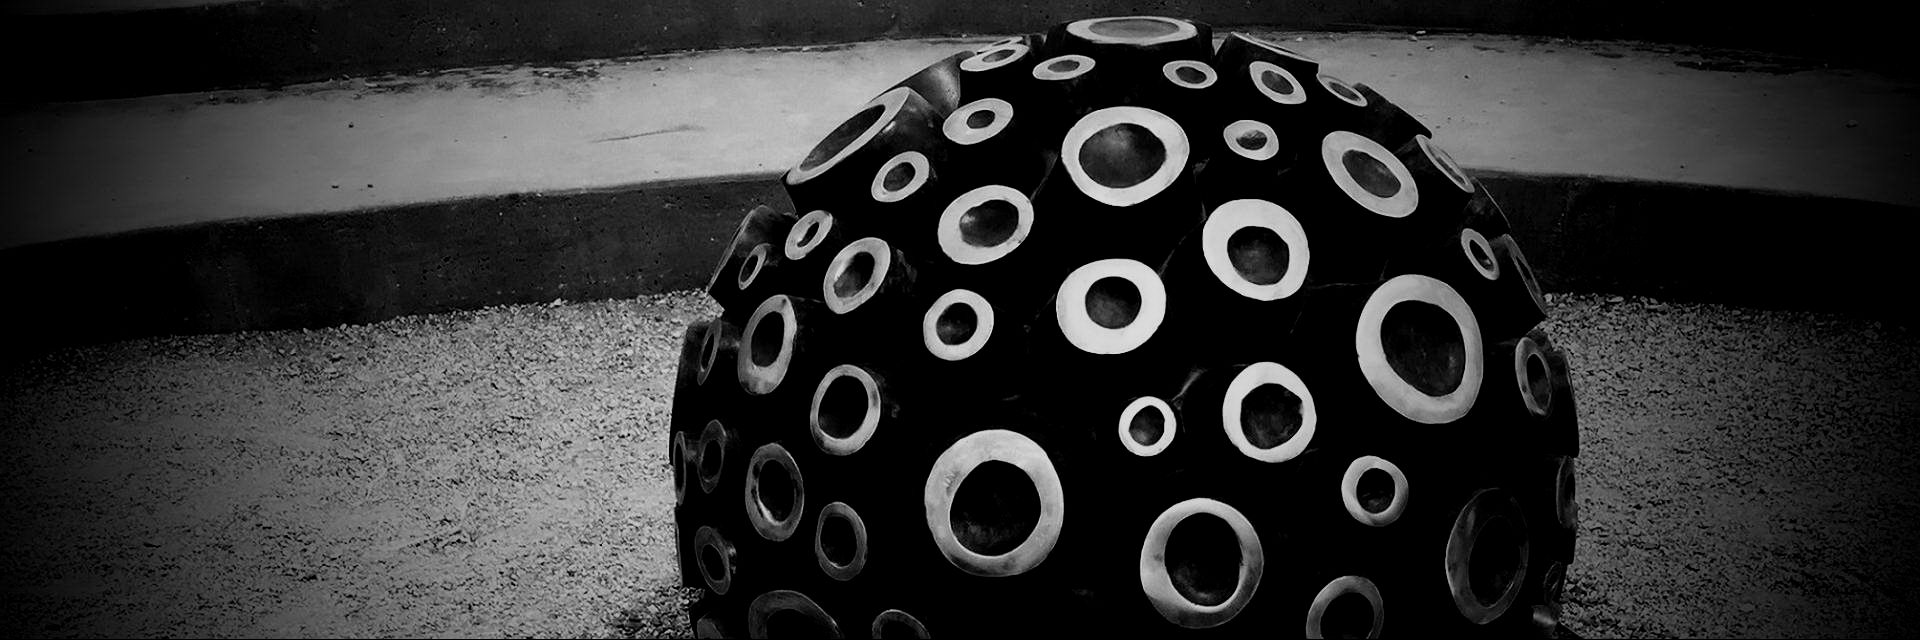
501 473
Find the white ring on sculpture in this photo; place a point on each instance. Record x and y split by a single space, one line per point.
1475 247
982 328
889 103
957 129
1252 377
807 234
716 434
874 248
1269 144
950 472
1341 586
921 171
951 235
835 570
1566 507
762 609
1172 71
750 267
1461 540
677 447
1343 91
1350 491
1157 582
1172 139
1167 426
1397 393
708 538
1217 233
758 513
757 379
869 422
1070 307
1258 70
1444 163
980 61
1525 350
1182 30
1045 70
1333 151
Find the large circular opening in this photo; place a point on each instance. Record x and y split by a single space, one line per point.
1133 28
1122 155
1147 426
1203 559
995 509
1257 254
855 275
842 136
778 491
956 324
1277 82
1375 490
843 408
1349 615
837 540
788 623
1270 415
1113 302
1424 347
1496 559
1370 173
1539 382
990 223
768 338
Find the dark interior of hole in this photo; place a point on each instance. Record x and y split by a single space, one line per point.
1539 384
1251 139
778 491
899 177
1479 254
981 118
892 628
1370 173
995 509
1203 559
1190 75
855 275
842 136
1113 302
711 563
1270 415
1349 615
843 407
710 453
1147 426
808 230
838 542
749 269
1258 255
1063 66
787 623
956 324
768 338
989 223
1276 82
1375 490
1495 562
1132 28
999 55
1342 89
1122 155
1424 347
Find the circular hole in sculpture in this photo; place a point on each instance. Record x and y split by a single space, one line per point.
778 486
1496 560
956 324
1203 559
989 223
996 508
1424 347
1370 173
842 136
980 119
710 453
898 177
1251 140
1375 490
1147 426
1539 382
712 564
1190 75
1277 83
1133 28
1258 255
1270 415
1113 302
843 408
1349 615
855 275
837 540
1122 155
768 338
1063 66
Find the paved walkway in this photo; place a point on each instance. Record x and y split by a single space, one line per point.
1607 109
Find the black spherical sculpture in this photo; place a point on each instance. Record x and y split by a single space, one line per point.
1274 348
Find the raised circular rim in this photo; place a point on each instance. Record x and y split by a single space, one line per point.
1444 162
1259 374
1566 503
677 447
1082 64
760 380
710 350
1171 136
950 471
1171 70
1182 30
703 538
1350 491
868 425
890 102
1523 349
953 243
757 258
712 431
1235 215
895 615
763 607
982 330
853 567
1257 67
955 126
1469 240
1336 145
1167 432
1270 46
757 514
882 254
1396 393
1157 583
978 61
1070 308
1460 543
1232 132
1340 586
922 170
1328 81
820 221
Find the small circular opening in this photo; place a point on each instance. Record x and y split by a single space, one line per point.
1063 66
1478 251
1270 415
1495 562
837 540
1251 140
1370 173
1203 559
1122 155
712 564
843 407
808 229
996 508
1349 615
956 324
989 224
842 136
981 118
1276 82
1344 91
1132 28
778 491
768 338
1375 491
710 453
677 457
710 347
855 275
749 269
898 177
788 623
1424 347
998 55
1113 302
1258 255
1190 75
1148 425
1539 383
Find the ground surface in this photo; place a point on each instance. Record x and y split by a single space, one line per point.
501 473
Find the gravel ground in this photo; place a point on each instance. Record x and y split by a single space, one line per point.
501 473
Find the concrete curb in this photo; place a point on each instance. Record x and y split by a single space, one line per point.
1583 234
